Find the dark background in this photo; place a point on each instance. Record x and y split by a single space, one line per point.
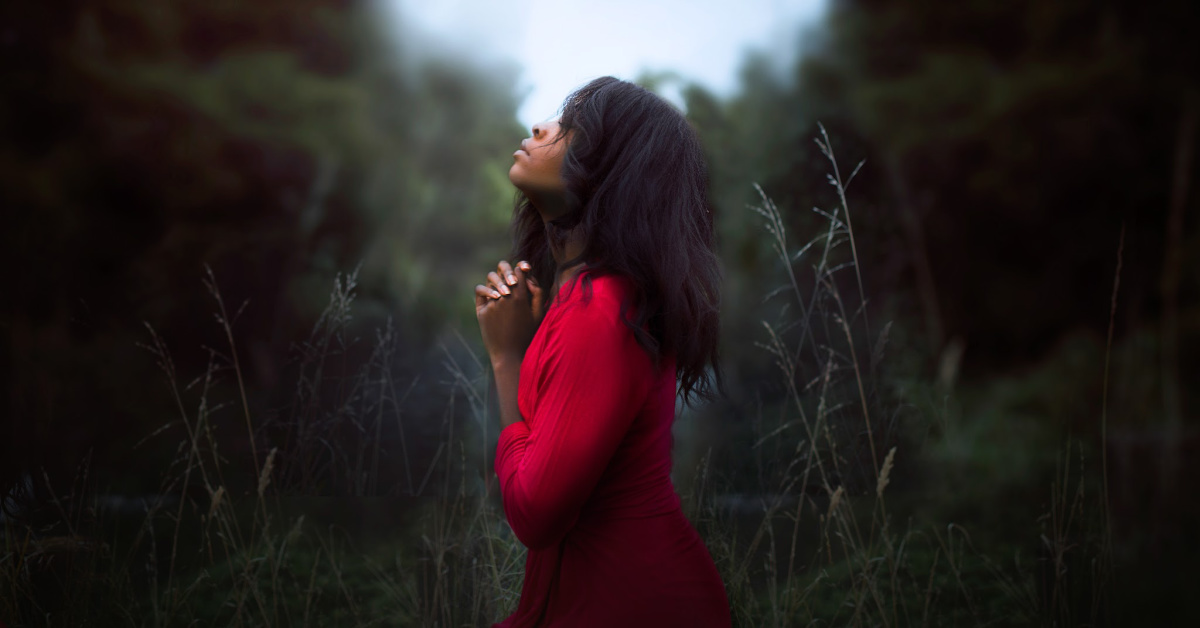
1014 152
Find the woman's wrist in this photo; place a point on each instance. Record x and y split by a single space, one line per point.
506 369
510 359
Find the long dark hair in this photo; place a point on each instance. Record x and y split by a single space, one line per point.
637 193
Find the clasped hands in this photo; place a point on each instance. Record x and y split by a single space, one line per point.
509 308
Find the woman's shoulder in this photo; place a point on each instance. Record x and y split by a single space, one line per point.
590 320
597 315
594 296
608 289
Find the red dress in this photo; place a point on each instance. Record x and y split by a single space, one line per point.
585 478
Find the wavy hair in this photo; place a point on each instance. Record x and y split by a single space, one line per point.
637 196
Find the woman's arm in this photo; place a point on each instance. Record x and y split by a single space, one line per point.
507 371
592 380
509 310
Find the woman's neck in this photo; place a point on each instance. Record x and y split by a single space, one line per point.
551 207
571 250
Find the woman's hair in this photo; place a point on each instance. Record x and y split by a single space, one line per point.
637 193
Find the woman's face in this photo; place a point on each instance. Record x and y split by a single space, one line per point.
537 164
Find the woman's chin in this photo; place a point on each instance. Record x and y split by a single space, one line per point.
522 183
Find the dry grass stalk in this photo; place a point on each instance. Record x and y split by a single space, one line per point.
885 472
264 478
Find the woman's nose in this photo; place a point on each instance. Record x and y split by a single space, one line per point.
537 131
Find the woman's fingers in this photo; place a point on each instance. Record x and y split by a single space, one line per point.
537 296
483 293
499 283
519 286
506 272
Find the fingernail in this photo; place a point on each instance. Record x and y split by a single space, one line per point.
512 279
504 289
495 295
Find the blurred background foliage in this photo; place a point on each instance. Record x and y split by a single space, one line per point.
278 143
1007 148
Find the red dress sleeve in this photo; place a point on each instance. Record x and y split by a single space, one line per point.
591 378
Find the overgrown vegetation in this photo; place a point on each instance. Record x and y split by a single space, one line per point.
954 318
838 531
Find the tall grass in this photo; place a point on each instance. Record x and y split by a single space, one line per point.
226 546
827 549
831 542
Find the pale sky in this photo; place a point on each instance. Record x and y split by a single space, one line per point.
563 44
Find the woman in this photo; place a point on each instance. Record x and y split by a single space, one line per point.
614 300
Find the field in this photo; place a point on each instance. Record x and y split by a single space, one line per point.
852 493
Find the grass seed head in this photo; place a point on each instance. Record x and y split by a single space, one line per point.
885 472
